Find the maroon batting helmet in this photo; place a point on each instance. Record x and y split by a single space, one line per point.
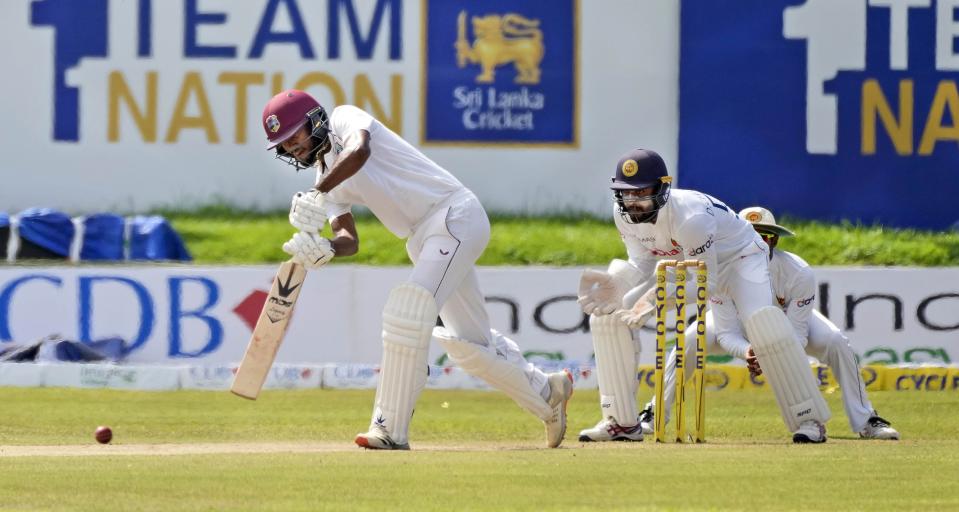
290 111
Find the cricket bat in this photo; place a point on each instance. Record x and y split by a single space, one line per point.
269 331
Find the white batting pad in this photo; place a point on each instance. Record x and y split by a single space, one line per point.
786 367
408 320
491 366
616 357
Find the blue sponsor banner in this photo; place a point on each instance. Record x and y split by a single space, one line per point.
500 71
823 110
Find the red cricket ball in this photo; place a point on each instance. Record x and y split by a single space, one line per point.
103 434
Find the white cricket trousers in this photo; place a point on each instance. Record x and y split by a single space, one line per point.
444 248
825 342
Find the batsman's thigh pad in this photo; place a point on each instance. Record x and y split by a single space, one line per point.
487 364
408 320
786 367
616 355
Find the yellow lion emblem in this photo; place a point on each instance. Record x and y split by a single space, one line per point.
500 40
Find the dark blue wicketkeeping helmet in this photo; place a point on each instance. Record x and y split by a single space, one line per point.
636 170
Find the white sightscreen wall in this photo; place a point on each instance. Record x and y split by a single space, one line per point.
160 126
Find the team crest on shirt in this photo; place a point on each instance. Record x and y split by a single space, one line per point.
336 143
781 300
273 123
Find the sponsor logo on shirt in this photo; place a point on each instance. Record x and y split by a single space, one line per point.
660 252
702 248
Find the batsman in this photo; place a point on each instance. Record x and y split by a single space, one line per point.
360 161
658 222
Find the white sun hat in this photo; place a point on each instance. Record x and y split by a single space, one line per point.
763 220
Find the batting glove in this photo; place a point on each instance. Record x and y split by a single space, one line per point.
307 211
309 249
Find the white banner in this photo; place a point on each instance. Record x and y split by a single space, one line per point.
203 315
130 105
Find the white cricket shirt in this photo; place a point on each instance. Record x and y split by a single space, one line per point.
692 225
794 288
398 183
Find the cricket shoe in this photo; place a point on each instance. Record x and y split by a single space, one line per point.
647 419
878 428
609 430
810 431
378 439
560 390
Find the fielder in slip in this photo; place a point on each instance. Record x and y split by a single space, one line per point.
794 287
657 222
360 161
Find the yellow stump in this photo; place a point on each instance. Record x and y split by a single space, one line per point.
699 373
659 414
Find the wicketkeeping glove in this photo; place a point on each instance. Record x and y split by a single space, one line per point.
601 293
307 211
309 249
642 310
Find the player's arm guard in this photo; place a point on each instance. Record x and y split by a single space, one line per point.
309 249
307 211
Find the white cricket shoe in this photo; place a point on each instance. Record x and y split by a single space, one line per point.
560 390
878 428
810 431
378 439
647 419
609 430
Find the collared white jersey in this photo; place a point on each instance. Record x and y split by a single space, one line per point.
794 286
398 183
692 225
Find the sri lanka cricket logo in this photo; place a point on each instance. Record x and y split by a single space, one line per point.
500 40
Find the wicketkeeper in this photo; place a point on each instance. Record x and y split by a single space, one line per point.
657 222
360 161
794 287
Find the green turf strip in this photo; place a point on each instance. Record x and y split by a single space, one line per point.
217 235
748 462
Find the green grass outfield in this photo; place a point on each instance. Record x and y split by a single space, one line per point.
223 236
472 450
